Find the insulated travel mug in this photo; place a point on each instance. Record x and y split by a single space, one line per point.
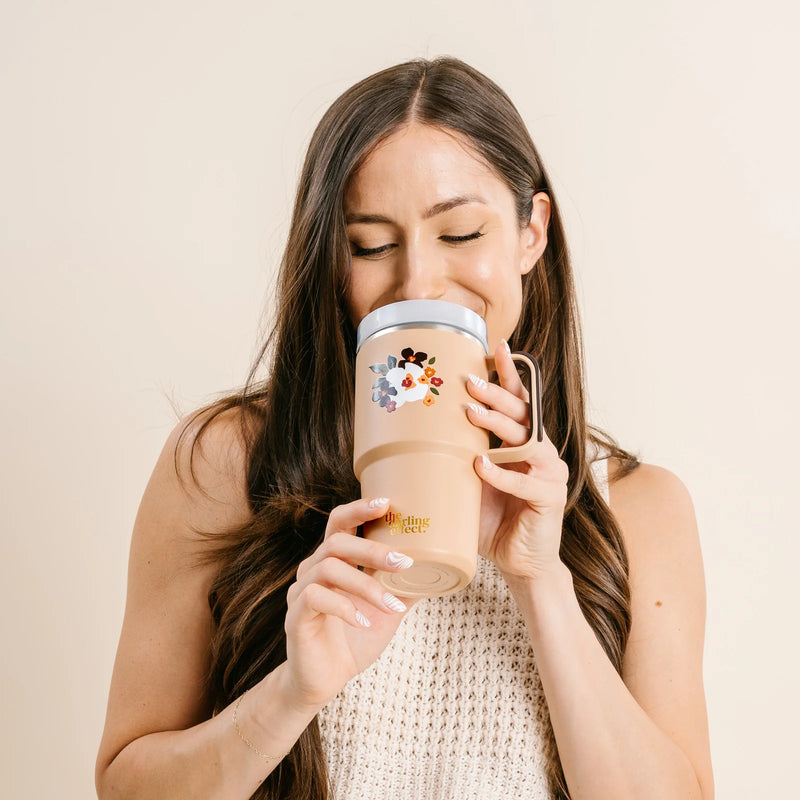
414 443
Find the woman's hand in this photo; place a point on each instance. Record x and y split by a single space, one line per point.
522 505
326 643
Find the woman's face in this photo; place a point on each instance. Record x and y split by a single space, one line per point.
416 195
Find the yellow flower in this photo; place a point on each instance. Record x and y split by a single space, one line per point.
428 400
422 379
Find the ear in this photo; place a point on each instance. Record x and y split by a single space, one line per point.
533 239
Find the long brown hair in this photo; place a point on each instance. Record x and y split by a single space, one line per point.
296 420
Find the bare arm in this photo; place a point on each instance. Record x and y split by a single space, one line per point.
645 734
209 760
159 741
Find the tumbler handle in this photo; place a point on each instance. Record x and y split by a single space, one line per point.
503 455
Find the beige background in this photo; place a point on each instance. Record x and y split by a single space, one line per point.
148 156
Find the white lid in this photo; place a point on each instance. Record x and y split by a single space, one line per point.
432 312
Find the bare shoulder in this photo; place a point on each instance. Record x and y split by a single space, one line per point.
209 455
198 484
663 662
163 653
644 484
656 515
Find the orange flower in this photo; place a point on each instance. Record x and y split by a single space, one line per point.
428 400
430 371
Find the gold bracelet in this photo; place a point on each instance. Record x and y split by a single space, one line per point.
244 738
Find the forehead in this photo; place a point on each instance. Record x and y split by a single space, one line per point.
422 164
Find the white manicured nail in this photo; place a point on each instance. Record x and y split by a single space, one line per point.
505 344
393 603
486 461
478 409
480 382
378 501
362 620
399 560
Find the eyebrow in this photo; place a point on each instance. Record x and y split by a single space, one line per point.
439 208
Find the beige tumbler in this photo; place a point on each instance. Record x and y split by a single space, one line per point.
414 443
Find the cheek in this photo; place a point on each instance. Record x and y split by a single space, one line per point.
502 286
355 306
502 315
496 271
365 286
490 266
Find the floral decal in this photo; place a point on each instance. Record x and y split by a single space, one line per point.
406 380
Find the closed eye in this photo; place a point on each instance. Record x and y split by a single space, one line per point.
466 238
373 251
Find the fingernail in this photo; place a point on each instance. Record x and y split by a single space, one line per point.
478 381
486 461
505 344
362 620
378 501
393 603
478 409
399 560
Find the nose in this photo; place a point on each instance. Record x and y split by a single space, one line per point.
420 276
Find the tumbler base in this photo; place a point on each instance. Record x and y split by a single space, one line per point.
425 579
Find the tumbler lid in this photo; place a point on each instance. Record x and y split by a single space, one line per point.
423 312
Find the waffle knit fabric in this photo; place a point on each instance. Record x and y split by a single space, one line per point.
453 707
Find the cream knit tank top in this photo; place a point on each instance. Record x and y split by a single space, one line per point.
452 708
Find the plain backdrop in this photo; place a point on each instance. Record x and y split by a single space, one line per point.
148 158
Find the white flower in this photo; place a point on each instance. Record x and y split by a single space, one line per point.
396 377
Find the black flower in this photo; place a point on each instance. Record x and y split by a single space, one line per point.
410 357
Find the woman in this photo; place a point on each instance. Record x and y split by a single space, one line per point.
257 660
